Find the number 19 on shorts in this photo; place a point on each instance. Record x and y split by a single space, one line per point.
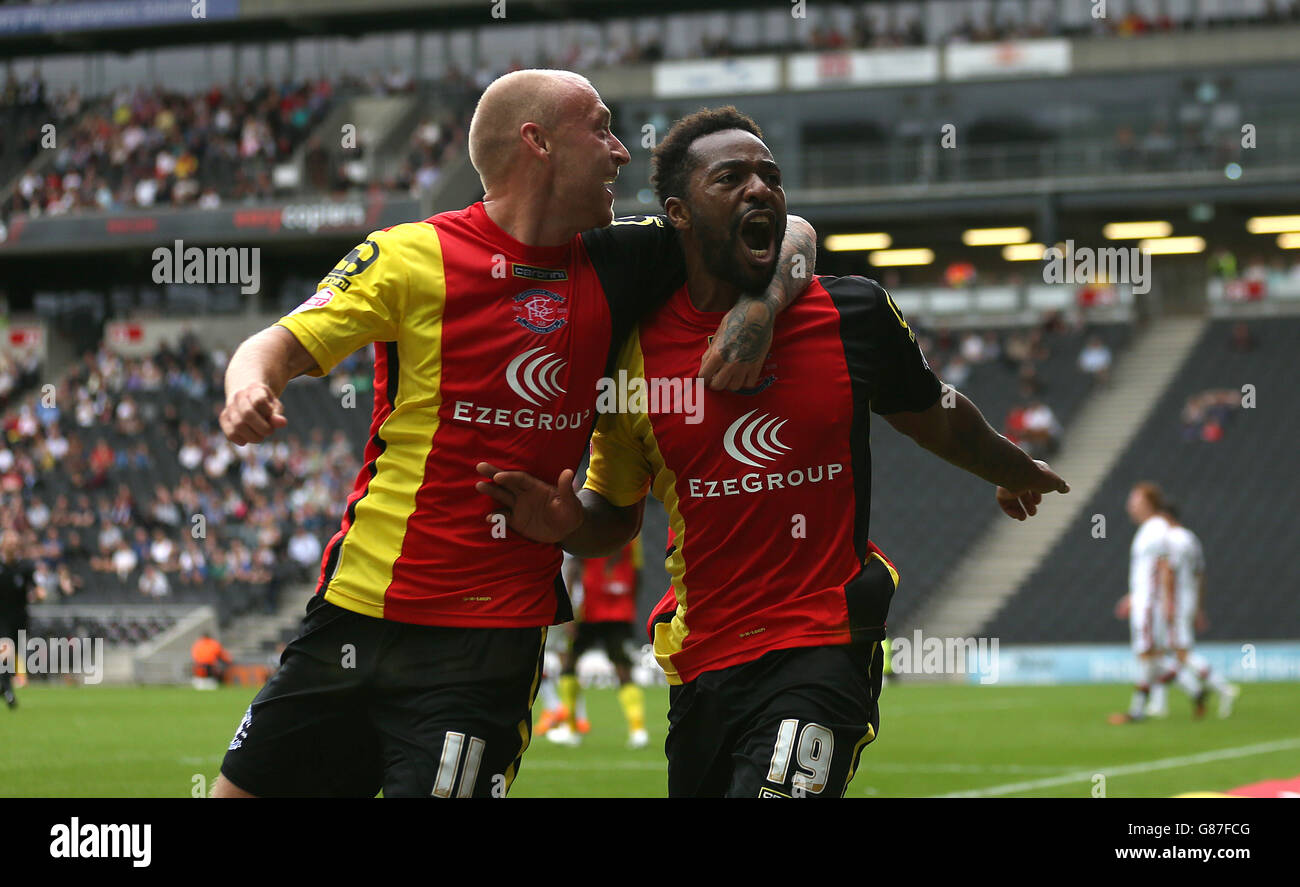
812 748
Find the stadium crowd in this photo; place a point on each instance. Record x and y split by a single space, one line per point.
17 374
154 147
85 481
151 146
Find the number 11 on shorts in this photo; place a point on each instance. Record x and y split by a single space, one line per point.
445 782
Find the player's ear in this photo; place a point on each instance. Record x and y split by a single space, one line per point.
535 139
679 214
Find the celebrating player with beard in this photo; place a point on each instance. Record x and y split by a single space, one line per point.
772 651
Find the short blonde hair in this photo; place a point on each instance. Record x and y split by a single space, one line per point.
1153 494
534 95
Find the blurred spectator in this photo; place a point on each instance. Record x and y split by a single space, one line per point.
45 582
153 583
972 348
1014 426
1042 431
162 551
75 553
956 372
38 515
1095 360
1206 414
68 582
1031 385
305 549
123 561
992 348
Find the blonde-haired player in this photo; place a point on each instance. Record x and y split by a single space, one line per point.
1148 573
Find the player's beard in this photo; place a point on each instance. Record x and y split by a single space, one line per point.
720 251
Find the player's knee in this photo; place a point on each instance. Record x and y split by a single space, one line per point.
224 788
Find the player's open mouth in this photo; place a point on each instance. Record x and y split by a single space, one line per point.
758 233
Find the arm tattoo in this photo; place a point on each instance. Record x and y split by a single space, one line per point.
794 273
748 332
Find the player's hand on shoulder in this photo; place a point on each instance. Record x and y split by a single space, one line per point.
736 353
533 508
252 414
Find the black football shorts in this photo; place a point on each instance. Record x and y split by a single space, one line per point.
612 636
791 723
362 704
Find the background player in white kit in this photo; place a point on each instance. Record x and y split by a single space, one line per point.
1148 573
1187 615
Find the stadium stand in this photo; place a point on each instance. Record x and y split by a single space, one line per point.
1226 465
17 375
918 499
147 147
117 631
127 492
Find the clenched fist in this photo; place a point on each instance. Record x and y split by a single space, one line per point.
252 414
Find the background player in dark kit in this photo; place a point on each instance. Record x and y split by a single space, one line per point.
16 583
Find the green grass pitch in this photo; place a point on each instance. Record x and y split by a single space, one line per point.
934 740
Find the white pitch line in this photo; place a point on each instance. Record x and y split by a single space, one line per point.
1243 751
962 768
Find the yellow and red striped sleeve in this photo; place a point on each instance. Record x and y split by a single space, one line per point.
360 301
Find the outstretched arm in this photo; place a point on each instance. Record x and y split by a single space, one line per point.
734 358
959 434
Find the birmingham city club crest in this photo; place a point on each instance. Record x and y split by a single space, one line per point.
541 311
